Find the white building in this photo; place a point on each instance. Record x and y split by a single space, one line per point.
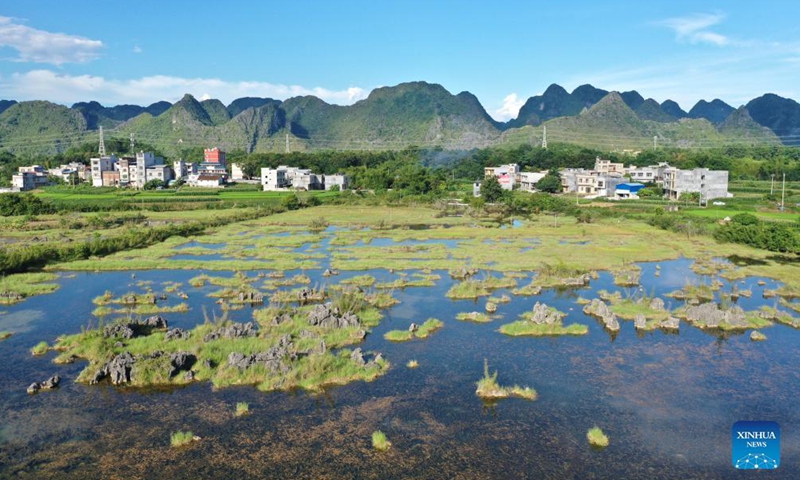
207 181
607 166
506 175
23 181
274 179
237 173
651 174
709 184
183 169
339 179
100 165
528 180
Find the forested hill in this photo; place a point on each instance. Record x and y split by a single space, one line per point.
393 118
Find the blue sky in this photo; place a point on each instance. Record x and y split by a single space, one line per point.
502 51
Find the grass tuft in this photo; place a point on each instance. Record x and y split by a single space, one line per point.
180 439
412 364
242 408
40 348
380 442
597 438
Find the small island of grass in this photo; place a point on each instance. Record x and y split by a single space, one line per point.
414 331
5 335
40 348
489 389
412 364
242 408
181 439
380 442
597 438
542 321
476 317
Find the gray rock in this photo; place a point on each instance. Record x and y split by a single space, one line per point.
181 361
543 315
280 319
119 330
34 388
329 317
176 334
709 315
236 330
189 375
358 357
413 327
52 382
671 323
640 322
276 359
156 321
598 309
118 369
657 304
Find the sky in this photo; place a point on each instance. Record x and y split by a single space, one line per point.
502 51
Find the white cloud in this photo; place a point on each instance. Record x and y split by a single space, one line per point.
694 28
205 97
68 89
137 49
46 47
510 109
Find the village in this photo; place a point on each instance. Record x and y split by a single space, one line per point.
610 180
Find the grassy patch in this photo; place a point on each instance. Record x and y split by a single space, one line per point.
180 439
363 281
596 437
242 408
380 442
522 328
40 348
16 288
5 335
477 317
412 364
489 389
423 331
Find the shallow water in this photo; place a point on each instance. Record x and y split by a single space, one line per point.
667 401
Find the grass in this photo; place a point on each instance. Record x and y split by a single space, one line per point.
423 331
380 442
597 438
16 288
412 364
180 439
363 281
40 348
476 317
523 328
242 408
489 389
757 336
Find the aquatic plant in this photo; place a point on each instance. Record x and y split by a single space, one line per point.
40 348
422 331
380 442
489 389
596 437
412 364
362 281
242 408
180 439
477 317
4 335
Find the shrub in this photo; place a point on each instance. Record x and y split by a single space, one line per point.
179 439
380 442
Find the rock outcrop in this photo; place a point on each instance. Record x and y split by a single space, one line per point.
709 315
657 304
544 315
671 323
49 384
118 370
329 317
133 329
176 334
598 309
236 330
277 359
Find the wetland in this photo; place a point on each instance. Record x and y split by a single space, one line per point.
276 347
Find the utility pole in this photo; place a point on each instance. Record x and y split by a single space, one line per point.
783 191
102 149
771 185
133 143
544 138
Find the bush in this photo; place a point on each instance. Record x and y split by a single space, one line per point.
291 202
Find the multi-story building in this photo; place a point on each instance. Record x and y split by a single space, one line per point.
507 175
159 172
100 165
607 166
274 178
339 179
214 163
650 174
589 182
23 181
183 169
237 173
709 184
528 180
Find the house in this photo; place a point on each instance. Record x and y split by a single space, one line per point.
159 172
101 165
528 180
651 174
506 175
237 173
29 178
274 179
709 184
628 190
307 181
183 169
214 163
110 178
207 181
589 182
607 166
339 179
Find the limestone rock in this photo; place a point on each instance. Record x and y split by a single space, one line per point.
329 317
657 304
544 315
598 309
176 334
709 315
640 322
236 330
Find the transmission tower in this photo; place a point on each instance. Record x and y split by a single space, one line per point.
544 138
133 143
102 149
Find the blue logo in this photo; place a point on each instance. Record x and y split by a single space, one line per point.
756 445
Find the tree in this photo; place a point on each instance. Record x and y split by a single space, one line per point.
154 184
491 191
550 183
